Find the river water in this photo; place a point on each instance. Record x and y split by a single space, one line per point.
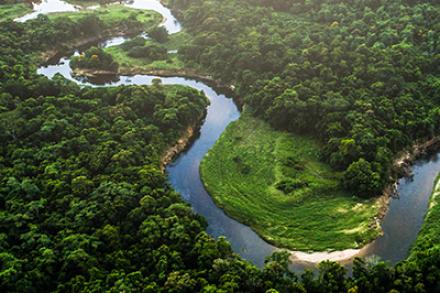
400 225
51 6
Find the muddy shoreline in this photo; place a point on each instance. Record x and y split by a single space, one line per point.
189 135
402 168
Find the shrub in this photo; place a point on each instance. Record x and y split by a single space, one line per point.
289 185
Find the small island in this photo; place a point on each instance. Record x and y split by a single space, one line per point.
94 61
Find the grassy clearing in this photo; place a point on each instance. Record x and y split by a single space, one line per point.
84 3
115 14
274 182
429 235
11 11
144 64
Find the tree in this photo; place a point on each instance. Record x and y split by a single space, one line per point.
361 179
159 34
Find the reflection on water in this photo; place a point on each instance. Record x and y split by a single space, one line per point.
45 7
50 6
170 22
406 212
116 41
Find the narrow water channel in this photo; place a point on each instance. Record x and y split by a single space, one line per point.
401 224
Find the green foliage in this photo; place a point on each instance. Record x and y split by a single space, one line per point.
360 76
140 55
158 34
289 185
83 204
95 58
360 178
275 182
150 51
428 240
10 9
82 192
115 16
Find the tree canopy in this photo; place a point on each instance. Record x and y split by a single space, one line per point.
361 76
83 203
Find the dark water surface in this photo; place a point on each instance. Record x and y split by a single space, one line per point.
401 224
406 212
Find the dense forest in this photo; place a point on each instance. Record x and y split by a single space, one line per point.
83 203
361 76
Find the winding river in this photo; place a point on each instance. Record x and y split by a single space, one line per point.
400 225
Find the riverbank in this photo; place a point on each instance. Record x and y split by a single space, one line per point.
184 72
88 72
274 182
241 153
114 18
429 235
183 143
66 47
401 168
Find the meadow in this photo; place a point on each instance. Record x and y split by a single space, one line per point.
11 11
145 64
429 235
114 14
275 182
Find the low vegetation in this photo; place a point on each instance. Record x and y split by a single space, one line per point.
137 48
144 55
12 11
88 3
115 15
95 59
429 236
275 182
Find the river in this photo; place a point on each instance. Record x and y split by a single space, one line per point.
400 225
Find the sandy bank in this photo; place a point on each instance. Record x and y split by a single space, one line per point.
401 168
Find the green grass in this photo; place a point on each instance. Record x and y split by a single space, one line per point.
241 173
429 235
84 3
114 14
11 11
144 64
177 40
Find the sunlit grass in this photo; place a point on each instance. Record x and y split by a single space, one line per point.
429 235
11 11
144 64
242 170
114 14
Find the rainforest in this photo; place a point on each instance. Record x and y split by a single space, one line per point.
219 146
